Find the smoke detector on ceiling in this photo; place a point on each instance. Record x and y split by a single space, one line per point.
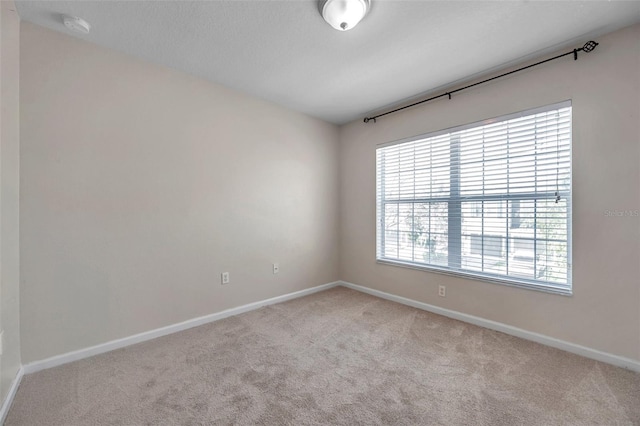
75 24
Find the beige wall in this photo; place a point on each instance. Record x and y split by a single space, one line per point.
604 312
9 193
140 185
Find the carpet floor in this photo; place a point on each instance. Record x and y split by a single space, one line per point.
338 357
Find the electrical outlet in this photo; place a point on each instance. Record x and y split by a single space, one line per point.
442 291
225 278
276 268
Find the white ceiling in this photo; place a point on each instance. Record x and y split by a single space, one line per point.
284 52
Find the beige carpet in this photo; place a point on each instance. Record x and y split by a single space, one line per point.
336 357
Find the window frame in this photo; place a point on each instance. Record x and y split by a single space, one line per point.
520 282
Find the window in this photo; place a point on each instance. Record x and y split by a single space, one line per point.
491 200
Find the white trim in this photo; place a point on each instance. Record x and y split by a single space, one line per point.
584 351
492 120
163 331
152 334
8 400
504 280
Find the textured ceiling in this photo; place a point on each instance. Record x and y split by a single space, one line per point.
283 51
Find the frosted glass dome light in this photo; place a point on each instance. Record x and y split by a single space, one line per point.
343 15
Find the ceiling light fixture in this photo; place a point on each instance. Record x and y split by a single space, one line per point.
343 15
76 24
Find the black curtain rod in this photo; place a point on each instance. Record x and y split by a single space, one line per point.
588 47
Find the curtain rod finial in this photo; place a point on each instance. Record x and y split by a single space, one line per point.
589 46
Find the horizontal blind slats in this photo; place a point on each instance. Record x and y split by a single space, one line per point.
506 174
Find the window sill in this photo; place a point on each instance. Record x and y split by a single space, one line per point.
545 288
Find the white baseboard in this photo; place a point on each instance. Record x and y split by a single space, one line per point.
504 328
8 400
174 328
170 329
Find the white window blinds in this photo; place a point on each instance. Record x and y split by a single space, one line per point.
490 199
